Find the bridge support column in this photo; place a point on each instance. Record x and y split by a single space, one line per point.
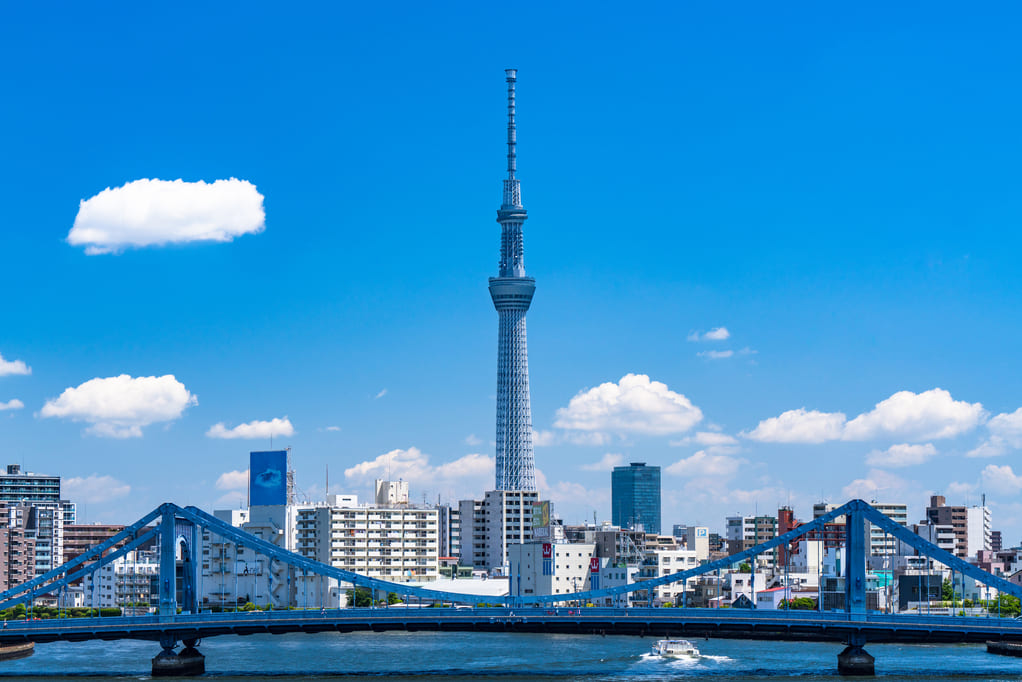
189 661
855 660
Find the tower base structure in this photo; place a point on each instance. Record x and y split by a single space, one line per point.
855 660
188 662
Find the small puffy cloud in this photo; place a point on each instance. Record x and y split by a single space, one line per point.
472 439
13 404
703 463
959 489
903 455
876 481
10 367
635 404
119 407
716 334
254 429
928 415
159 212
606 463
1001 479
94 489
800 426
542 439
714 442
332 428
716 354
379 395
1005 435
232 480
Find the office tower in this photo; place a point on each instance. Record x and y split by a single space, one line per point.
635 497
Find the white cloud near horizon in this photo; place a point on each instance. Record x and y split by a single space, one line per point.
715 334
93 489
703 463
233 480
13 367
1005 433
119 407
635 404
606 463
800 426
153 212
901 455
254 429
461 477
1002 480
12 404
929 415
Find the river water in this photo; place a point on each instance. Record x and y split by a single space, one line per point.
438 657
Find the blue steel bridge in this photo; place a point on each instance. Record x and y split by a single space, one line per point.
854 626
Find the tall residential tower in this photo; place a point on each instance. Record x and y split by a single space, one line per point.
511 292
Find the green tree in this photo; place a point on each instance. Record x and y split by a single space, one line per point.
1009 605
392 598
800 604
947 591
360 597
744 568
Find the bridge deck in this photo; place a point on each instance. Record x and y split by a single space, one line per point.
717 623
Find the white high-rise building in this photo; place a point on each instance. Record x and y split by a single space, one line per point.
977 521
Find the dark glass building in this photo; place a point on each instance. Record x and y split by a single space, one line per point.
635 497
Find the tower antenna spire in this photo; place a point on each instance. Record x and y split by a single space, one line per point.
512 188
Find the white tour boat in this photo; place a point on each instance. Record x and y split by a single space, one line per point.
675 648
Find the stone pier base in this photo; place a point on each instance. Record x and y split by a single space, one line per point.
170 664
855 660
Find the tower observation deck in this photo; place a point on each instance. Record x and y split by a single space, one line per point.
512 292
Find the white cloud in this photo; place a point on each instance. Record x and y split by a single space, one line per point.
233 480
542 439
959 489
13 404
713 442
9 367
715 354
929 415
1005 434
332 428
381 394
903 455
877 481
254 429
1001 479
472 439
606 463
922 416
635 404
716 334
118 407
460 477
94 489
703 463
159 212
800 426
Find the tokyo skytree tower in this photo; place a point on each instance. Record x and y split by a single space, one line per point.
511 292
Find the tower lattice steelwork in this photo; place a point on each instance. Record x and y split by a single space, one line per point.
512 294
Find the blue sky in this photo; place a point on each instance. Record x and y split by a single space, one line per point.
835 187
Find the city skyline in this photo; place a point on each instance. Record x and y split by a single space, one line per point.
776 254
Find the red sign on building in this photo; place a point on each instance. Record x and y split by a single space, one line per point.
594 565
548 550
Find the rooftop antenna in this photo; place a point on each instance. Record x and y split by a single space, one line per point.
328 479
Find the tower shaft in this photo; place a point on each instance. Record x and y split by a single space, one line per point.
512 292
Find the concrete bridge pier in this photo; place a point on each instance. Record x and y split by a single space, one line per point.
168 663
855 660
